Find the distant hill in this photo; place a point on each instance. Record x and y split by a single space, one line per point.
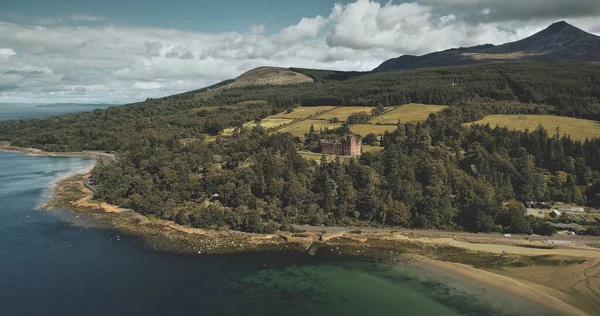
560 41
262 76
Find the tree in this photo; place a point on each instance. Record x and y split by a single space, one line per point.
359 118
371 139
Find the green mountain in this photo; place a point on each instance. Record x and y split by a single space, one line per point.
560 41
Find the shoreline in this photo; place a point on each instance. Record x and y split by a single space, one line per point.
533 294
495 263
498 270
97 155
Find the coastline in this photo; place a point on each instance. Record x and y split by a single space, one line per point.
97 155
545 298
527 272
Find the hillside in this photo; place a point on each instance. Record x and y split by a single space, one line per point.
559 88
268 76
560 41
432 172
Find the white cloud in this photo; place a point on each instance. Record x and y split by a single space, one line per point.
86 17
258 29
124 63
7 52
147 85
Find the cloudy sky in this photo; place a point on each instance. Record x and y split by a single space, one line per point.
118 51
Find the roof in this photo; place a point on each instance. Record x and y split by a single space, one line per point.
574 227
330 141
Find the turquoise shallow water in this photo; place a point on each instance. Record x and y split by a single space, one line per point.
54 263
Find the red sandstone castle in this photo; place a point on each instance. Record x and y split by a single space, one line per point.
348 146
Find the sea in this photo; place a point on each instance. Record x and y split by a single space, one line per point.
17 111
56 262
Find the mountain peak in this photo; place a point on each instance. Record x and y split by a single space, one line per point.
559 41
560 27
559 24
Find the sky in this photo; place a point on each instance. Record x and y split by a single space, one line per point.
119 51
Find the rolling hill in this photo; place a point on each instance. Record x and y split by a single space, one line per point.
268 76
560 41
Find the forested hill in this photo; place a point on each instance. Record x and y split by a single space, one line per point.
435 174
560 41
563 88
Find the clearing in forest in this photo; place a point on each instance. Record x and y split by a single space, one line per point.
343 112
578 129
408 113
371 149
364 129
302 127
266 123
304 112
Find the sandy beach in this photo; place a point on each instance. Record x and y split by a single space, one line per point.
546 298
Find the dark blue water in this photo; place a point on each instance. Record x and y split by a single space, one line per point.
15 111
58 263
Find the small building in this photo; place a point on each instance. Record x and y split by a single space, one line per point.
348 146
571 209
215 197
537 204
571 227
555 213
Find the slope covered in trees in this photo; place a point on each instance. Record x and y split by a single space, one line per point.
438 174
433 175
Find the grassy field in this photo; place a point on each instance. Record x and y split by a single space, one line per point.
577 128
304 112
364 129
408 113
302 127
342 113
371 149
266 123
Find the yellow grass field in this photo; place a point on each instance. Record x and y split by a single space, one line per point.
266 123
371 149
302 127
303 112
342 113
407 113
577 128
364 129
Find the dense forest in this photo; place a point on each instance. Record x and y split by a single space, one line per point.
435 174
438 174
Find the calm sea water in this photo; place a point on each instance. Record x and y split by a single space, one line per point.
14 111
54 263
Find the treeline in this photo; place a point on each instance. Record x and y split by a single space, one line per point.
437 174
141 125
567 88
